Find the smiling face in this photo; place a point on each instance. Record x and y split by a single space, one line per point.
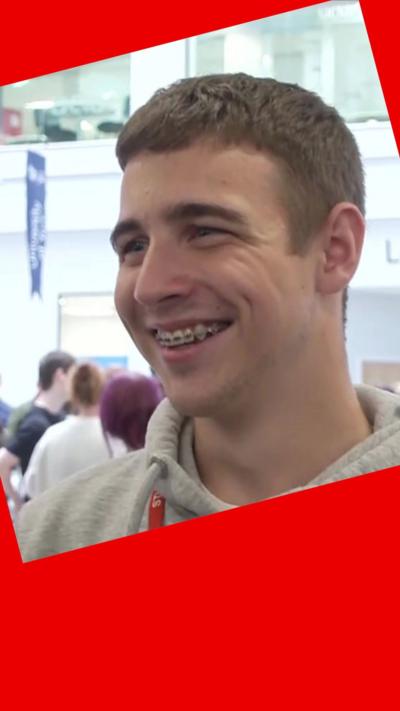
206 264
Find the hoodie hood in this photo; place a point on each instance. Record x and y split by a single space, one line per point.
170 469
381 449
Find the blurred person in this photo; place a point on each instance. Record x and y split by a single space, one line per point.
75 443
18 414
54 371
112 371
127 403
241 225
5 412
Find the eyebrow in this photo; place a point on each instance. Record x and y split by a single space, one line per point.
185 210
123 227
182 211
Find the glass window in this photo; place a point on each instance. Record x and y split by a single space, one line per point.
324 48
87 102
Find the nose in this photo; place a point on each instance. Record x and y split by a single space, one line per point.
164 274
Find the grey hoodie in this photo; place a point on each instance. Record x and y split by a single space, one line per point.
112 500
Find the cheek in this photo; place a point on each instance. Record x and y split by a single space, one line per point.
123 293
270 297
241 273
253 282
126 306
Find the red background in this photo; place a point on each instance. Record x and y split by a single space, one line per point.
291 603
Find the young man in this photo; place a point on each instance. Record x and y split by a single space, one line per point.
241 225
46 410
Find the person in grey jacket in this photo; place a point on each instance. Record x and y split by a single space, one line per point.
241 225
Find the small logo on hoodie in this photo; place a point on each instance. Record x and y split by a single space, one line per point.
156 500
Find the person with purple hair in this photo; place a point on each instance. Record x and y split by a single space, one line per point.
126 405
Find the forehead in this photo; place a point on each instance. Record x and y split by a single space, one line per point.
241 177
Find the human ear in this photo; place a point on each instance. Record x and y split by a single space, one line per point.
342 237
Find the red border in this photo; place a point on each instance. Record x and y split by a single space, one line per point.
291 603
43 43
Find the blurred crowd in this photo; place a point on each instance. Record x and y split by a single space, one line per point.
80 416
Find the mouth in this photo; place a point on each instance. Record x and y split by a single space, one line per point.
189 336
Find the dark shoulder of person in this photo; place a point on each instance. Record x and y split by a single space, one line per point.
39 416
36 421
32 427
17 416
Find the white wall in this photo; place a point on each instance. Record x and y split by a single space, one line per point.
373 330
82 187
374 270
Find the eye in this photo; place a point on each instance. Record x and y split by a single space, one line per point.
134 245
132 250
206 231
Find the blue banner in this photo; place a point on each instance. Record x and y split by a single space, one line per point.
36 214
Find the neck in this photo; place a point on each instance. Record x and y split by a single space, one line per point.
88 410
290 431
50 400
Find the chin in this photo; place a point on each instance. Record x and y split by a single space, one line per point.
192 405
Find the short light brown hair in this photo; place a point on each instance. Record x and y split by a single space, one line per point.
318 155
86 385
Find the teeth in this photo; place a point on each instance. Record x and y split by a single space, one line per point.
178 338
214 328
188 335
200 332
